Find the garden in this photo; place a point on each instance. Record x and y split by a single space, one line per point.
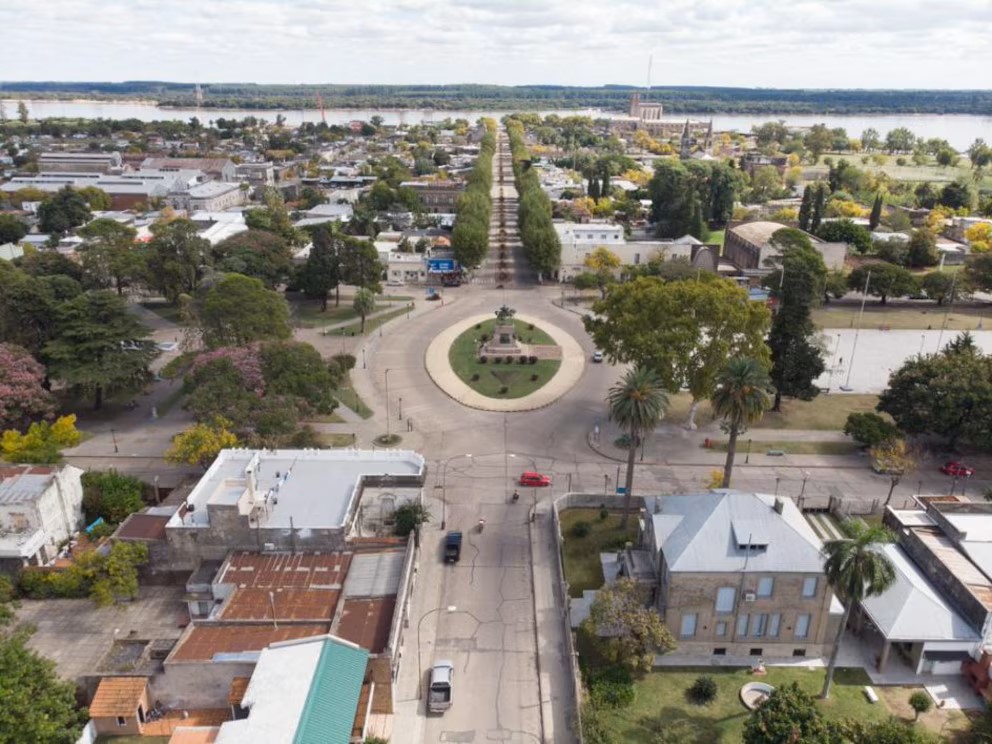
502 376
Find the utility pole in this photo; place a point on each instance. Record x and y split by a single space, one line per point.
846 387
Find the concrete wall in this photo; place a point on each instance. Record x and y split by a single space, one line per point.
197 684
685 593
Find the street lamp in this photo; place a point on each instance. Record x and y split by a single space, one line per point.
802 491
386 375
363 357
778 480
399 416
113 437
420 623
444 490
747 459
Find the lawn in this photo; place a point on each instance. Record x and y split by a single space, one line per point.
582 567
307 313
489 378
354 329
825 411
661 699
791 447
948 723
678 410
347 396
716 237
164 310
921 317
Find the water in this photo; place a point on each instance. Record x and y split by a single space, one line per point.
958 129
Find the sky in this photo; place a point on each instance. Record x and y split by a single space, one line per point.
749 43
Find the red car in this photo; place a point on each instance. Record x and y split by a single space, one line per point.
535 479
957 469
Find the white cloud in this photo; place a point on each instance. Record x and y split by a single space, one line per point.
771 43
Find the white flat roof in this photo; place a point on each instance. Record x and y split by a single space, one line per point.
313 488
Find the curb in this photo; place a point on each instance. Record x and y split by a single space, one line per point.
546 717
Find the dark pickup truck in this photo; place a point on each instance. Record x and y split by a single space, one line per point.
452 547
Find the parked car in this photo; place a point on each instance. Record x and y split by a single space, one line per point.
597 356
957 469
452 547
439 697
535 479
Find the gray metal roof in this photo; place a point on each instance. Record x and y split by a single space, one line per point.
25 487
912 609
374 575
696 533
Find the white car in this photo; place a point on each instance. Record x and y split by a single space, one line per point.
597 356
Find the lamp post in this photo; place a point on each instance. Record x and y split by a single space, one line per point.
778 480
444 490
846 387
747 459
363 357
386 375
802 491
399 416
420 623
113 437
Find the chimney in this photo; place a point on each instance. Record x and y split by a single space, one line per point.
779 505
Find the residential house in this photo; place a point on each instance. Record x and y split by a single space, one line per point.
120 706
40 508
736 574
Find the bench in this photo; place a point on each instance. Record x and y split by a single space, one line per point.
775 453
871 694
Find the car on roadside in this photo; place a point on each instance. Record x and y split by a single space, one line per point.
597 356
535 480
452 547
957 469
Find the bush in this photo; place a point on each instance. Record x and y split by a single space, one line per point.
475 377
509 360
408 516
870 429
345 361
532 359
504 390
483 359
478 326
703 690
521 360
607 693
920 702
581 529
900 161
497 360
530 326
603 513
534 378
111 495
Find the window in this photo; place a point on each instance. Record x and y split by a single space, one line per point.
809 586
802 626
121 721
765 586
725 596
773 625
759 624
798 652
742 625
688 629
721 629
719 652
756 651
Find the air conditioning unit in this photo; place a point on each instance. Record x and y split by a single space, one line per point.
750 596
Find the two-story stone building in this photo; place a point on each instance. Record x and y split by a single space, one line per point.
739 574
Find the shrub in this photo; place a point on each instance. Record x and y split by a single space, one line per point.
497 360
521 360
475 377
478 326
870 429
530 326
920 702
509 360
504 390
408 516
111 495
900 161
608 693
603 513
534 378
703 690
345 361
581 529
483 359
532 359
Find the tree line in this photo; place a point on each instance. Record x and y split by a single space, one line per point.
537 232
470 237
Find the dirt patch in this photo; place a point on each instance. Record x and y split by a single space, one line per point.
952 724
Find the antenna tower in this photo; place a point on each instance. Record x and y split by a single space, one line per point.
199 95
320 106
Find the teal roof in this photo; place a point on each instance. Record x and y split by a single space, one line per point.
329 713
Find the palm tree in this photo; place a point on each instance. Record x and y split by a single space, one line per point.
740 398
637 404
855 569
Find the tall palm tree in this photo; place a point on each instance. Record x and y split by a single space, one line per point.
637 404
855 569
740 398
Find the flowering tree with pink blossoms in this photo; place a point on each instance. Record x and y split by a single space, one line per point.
22 396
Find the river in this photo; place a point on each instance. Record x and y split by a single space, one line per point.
958 129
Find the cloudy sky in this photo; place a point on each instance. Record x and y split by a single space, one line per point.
769 43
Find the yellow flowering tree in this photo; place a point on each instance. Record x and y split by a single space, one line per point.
200 443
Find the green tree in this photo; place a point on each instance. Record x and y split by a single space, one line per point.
684 331
22 112
796 284
295 368
806 209
256 253
176 259
940 287
28 307
884 280
740 399
869 429
364 303
956 195
322 271
603 265
895 458
900 140
360 265
96 198
922 250
116 574
62 211
875 218
273 217
765 184
845 231
109 257
819 204
111 495
633 630
311 197
99 346
870 139
856 569
818 140
237 310
891 731
37 705
789 716
43 262
920 702
410 516
978 272
637 404
948 395
11 229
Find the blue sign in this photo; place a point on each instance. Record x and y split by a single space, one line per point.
621 490
441 265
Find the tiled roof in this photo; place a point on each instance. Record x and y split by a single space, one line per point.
142 527
205 641
118 696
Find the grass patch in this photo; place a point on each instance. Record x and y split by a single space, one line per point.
948 723
164 310
325 418
337 440
661 699
825 411
716 237
582 567
792 447
925 316
307 313
354 329
678 410
347 396
492 378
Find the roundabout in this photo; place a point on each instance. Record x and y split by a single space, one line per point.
502 364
